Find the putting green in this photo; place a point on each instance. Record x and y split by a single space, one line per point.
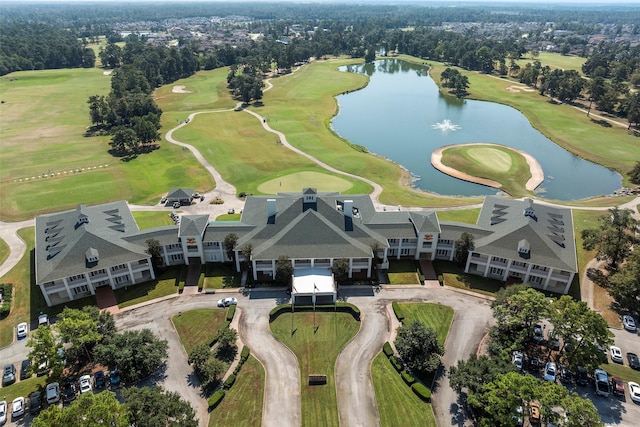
295 182
492 158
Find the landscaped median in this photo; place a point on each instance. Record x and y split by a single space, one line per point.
316 337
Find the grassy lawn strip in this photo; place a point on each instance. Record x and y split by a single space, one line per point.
197 327
500 164
242 405
22 388
623 372
316 349
4 251
436 316
229 217
219 276
403 272
147 220
396 401
467 216
161 286
455 277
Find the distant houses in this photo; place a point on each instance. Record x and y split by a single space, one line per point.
80 250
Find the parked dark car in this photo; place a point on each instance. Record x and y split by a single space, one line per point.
68 390
35 402
114 378
565 374
8 375
617 386
24 369
634 362
582 376
98 380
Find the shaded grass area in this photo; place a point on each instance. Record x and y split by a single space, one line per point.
316 347
165 284
563 124
510 170
302 104
147 220
454 276
242 405
467 216
403 272
219 276
397 403
435 316
22 388
229 217
230 142
196 327
47 138
4 251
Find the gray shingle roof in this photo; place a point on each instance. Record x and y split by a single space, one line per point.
63 240
179 193
193 225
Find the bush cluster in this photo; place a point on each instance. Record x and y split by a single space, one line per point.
386 348
396 363
423 392
397 311
5 307
231 379
231 312
407 377
216 399
244 355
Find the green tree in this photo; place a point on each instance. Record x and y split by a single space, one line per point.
230 242
370 56
78 328
155 407
100 409
418 347
284 269
596 88
340 268
625 283
615 237
154 249
44 351
634 174
470 375
463 246
582 329
199 355
519 306
136 354
124 140
580 412
111 55
105 321
210 372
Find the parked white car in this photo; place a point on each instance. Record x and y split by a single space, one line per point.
21 330
3 412
616 354
17 407
226 302
550 372
518 359
634 391
85 384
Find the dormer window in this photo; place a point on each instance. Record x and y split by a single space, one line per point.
524 248
92 255
531 213
82 219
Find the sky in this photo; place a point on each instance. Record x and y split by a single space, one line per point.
461 2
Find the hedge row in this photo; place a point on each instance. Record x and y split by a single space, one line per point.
386 348
419 269
229 381
231 312
216 399
244 355
5 307
397 311
407 377
422 392
396 364
342 307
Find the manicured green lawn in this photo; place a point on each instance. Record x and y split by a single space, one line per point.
22 388
47 138
4 251
218 276
436 316
230 141
554 60
563 124
146 220
229 217
500 164
242 405
317 180
403 272
455 276
197 327
164 285
467 216
397 403
316 348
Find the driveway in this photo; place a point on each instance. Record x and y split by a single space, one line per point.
356 397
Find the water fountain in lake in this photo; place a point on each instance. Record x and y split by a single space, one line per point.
446 126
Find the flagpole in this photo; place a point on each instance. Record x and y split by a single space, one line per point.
314 304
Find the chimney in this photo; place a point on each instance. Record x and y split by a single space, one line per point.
271 211
348 208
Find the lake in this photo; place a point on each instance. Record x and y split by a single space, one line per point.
397 115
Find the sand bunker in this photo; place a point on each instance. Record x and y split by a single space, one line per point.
180 89
516 89
537 176
107 73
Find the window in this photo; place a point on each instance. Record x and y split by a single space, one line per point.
500 260
536 280
539 268
119 267
444 241
393 251
442 252
122 279
97 273
80 290
192 248
212 244
393 241
404 251
519 264
494 271
176 257
76 277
